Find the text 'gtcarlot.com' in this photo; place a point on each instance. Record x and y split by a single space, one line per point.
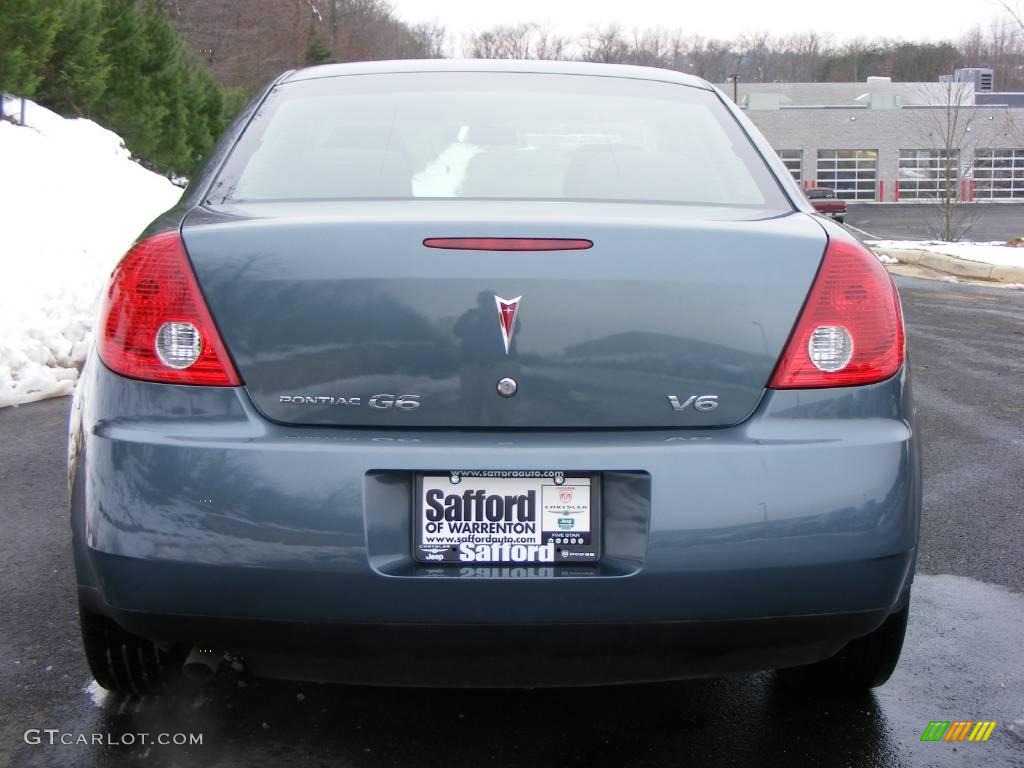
56 736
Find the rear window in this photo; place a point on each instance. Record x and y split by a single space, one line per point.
479 135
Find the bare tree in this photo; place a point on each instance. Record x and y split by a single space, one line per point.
246 42
1015 13
547 45
1000 46
649 48
759 53
855 50
948 127
527 40
432 38
678 53
713 60
804 55
606 45
504 41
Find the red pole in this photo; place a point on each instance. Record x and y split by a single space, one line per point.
881 190
896 190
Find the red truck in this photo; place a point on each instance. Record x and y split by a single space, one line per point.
826 203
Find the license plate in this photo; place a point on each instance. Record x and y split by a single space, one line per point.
506 517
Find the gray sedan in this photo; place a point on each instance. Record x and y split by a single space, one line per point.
495 374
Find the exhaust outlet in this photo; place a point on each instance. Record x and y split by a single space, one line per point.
202 663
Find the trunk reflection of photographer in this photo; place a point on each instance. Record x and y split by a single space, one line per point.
484 360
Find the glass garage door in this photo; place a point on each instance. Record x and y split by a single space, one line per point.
850 172
999 174
923 173
793 160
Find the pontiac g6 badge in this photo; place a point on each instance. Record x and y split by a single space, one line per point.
381 402
507 309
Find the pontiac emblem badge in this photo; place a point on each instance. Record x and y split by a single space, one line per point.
507 309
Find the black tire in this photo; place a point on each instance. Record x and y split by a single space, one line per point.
125 663
840 219
864 663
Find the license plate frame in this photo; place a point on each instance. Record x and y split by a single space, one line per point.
577 543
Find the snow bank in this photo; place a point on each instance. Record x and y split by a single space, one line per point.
996 253
71 202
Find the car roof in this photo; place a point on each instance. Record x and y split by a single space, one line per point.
624 71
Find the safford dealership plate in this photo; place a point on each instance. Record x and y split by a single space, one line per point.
506 517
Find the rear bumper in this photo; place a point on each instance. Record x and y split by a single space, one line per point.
770 543
505 656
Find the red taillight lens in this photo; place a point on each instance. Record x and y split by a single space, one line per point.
508 243
153 322
851 328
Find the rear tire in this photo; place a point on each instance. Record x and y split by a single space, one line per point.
840 219
125 663
864 663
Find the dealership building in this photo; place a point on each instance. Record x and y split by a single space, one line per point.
886 141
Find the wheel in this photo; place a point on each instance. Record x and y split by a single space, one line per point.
125 663
840 219
864 663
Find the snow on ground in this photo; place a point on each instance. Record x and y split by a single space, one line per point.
998 253
71 202
97 693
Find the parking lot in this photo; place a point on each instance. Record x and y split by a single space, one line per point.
910 221
961 659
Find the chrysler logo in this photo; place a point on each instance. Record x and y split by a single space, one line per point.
507 309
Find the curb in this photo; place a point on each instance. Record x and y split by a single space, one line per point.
972 270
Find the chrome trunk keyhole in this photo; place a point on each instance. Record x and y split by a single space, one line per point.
507 387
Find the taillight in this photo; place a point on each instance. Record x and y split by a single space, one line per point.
851 328
153 322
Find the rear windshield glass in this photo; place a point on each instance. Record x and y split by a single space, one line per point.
496 135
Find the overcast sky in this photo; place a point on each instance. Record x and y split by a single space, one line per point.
908 19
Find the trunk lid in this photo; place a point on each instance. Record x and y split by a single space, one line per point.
325 306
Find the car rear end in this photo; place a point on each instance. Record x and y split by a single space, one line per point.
483 374
826 203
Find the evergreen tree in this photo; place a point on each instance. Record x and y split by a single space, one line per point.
145 98
27 32
128 106
121 63
75 76
206 114
317 52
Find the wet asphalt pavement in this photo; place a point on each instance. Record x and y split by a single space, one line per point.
963 658
922 221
